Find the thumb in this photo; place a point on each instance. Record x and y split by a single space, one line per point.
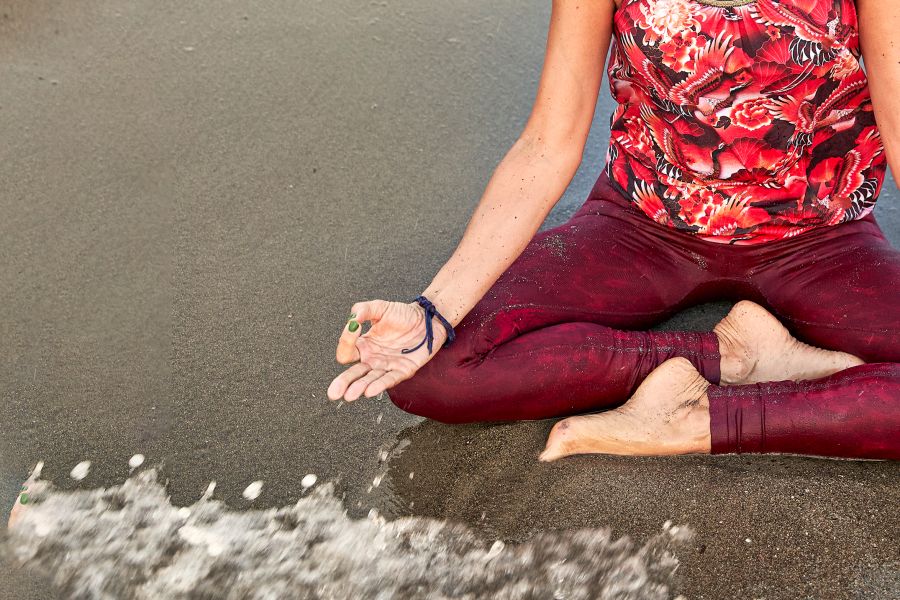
371 310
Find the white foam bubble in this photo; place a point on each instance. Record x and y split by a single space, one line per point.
209 491
496 548
252 491
313 549
81 470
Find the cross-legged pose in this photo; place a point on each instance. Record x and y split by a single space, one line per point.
744 163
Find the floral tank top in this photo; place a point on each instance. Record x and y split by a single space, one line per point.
742 121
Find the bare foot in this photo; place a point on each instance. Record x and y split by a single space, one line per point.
756 347
668 414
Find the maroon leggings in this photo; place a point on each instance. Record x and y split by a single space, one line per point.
560 332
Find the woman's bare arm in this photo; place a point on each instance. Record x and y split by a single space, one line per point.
524 187
879 22
535 172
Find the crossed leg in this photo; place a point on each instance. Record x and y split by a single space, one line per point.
557 333
839 290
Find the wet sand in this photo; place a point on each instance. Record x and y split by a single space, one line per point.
194 195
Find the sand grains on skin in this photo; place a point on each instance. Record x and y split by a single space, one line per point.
667 414
755 347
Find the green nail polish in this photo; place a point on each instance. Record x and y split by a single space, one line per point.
23 498
353 326
353 316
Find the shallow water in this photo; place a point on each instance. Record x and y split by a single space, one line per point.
129 541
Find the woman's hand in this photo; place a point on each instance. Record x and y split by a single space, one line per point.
395 326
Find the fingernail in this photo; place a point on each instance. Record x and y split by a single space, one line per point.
353 326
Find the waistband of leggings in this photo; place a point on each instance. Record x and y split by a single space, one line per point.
608 197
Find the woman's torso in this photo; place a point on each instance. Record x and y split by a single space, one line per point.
742 122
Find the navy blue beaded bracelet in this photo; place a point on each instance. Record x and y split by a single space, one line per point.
431 311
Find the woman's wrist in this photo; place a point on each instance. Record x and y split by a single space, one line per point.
439 332
449 307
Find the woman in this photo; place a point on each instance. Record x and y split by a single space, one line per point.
744 163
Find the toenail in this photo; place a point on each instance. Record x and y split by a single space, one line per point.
23 498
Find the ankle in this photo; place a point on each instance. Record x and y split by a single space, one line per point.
697 431
735 360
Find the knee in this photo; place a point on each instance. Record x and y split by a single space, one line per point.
430 404
438 397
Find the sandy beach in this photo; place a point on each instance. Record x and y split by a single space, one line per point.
194 194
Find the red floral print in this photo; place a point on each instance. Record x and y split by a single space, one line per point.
680 52
743 124
752 114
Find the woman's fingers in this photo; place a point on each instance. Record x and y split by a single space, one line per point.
385 382
357 387
371 310
379 372
340 384
360 380
347 351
